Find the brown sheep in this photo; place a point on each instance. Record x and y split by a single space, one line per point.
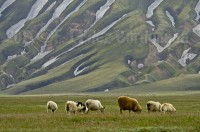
127 103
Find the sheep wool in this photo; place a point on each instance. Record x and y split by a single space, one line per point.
153 106
51 105
74 107
167 107
94 105
127 103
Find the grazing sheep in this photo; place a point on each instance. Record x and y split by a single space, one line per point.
81 107
153 106
167 107
75 106
92 104
127 103
52 106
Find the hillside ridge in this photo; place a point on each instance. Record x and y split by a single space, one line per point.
62 46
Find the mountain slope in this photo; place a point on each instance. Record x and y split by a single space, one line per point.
91 46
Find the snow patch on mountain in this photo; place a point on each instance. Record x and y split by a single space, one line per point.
55 29
49 62
100 13
40 55
171 18
5 5
160 48
185 56
96 35
151 24
35 9
78 71
59 10
196 30
42 52
152 7
197 9
67 61
51 6
83 42
11 76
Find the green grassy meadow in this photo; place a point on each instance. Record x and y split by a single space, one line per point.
28 113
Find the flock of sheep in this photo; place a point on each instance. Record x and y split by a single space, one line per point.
76 106
124 102
131 104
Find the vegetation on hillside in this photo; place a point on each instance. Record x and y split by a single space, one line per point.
123 57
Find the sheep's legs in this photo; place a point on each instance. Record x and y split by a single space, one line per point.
120 111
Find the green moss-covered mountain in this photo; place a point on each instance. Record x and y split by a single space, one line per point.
77 46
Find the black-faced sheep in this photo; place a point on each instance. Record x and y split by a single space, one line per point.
127 103
167 107
75 106
52 106
153 106
94 105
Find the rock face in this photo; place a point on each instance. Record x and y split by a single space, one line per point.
75 42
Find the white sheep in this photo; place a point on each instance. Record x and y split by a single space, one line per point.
51 105
94 105
167 107
153 106
74 107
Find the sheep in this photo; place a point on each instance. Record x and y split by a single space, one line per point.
81 107
94 105
153 106
127 103
167 107
51 105
74 107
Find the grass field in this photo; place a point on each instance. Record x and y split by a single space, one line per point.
28 113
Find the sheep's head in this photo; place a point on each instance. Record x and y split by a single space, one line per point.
102 109
86 109
139 109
